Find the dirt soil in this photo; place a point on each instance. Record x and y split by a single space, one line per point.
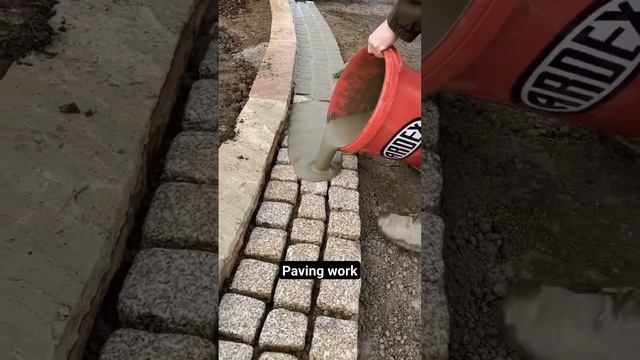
23 28
243 24
527 198
390 302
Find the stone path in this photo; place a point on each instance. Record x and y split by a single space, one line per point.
261 316
168 304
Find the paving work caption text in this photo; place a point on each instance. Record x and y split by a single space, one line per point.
319 270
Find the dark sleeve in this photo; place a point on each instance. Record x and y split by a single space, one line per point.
404 19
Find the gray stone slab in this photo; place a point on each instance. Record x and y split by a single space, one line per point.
274 214
283 173
307 231
283 156
312 207
229 350
240 317
314 187
284 330
347 179
255 278
201 109
431 181
349 162
131 344
345 225
281 191
344 200
266 244
192 157
276 356
182 216
208 68
173 291
334 339
340 297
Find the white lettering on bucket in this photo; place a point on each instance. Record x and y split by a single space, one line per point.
405 142
597 57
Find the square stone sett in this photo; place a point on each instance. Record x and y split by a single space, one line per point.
303 252
284 330
276 356
340 297
134 344
343 200
255 278
283 173
182 216
274 214
192 158
314 187
345 225
229 350
266 244
283 156
334 339
209 66
294 294
283 191
307 231
171 291
349 162
201 109
312 207
347 179
240 317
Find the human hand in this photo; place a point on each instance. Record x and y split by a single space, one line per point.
381 39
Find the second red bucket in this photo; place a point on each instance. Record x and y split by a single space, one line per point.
390 89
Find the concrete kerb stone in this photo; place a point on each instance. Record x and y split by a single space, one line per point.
138 344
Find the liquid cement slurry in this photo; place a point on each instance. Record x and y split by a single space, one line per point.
314 143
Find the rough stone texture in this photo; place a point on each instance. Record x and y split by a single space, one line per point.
350 162
340 297
276 356
274 214
283 156
347 179
343 200
192 158
432 181
182 216
240 317
312 207
293 294
282 191
208 68
284 330
201 109
334 339
283 173
303 252
404 231
131 344
344 225
430 126
307 231
173 291
229 350
255 278
314 187
266 244
285 141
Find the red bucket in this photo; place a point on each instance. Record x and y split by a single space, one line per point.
575 59
390 89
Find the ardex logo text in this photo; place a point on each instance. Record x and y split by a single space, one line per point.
405 142
597 57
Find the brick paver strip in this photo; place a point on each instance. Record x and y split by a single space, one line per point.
334 339
340 297
343 200
347 179
229 350
312 207
173 291
255 278
274 214
182 216
283 173
307 231
266 244
192 158
201 109
283 156
209 66
240 317
282 191
284 330
350 162
314 187
136 344
276 356
344 225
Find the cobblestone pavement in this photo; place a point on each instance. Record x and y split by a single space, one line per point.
261 316
168 304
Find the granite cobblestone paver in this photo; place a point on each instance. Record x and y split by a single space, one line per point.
334 339
312 207
347 179
201 109
229 350
340 297
192 158
266 244
281 191
344 200
283 156
240 317
274 214
344 224
314 187
276 356
284 330
350 162
307 231
283 173
136 344
255 278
